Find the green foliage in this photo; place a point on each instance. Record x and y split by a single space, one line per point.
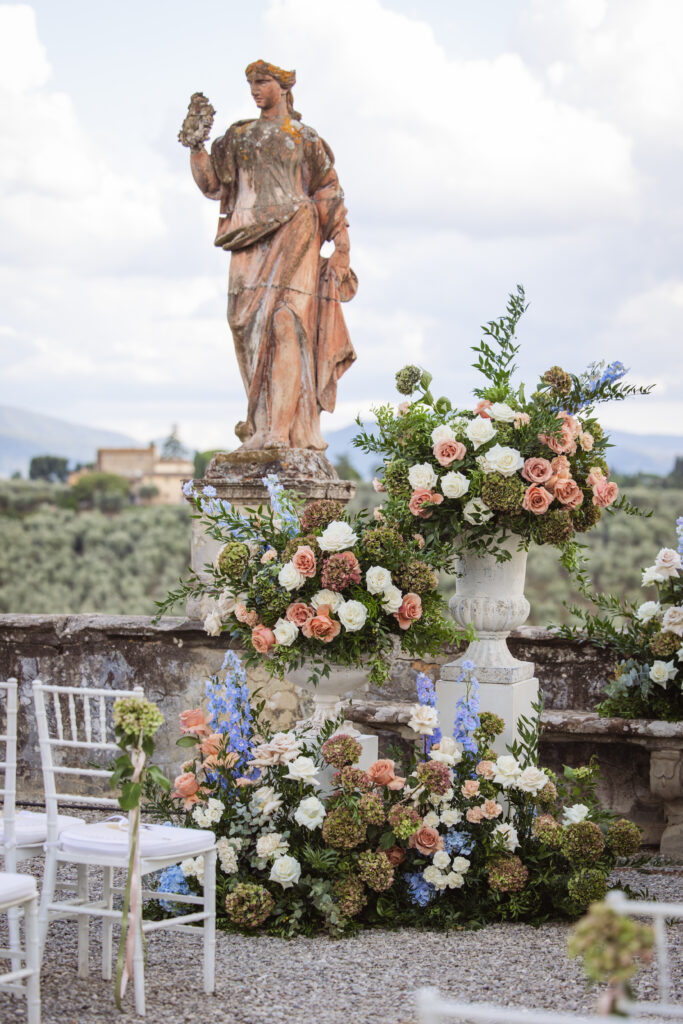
201 461
107 491
346 469
48 467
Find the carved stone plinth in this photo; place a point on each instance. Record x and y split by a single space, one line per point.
666 782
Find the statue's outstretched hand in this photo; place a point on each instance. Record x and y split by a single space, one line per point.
196 127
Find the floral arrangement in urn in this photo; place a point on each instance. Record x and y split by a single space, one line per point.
647 640
532 466
309 585
455 836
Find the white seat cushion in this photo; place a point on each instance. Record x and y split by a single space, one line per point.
16 888
111 837
30 827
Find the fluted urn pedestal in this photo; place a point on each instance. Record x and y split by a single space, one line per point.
489 595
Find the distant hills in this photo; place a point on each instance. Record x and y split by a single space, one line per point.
24 434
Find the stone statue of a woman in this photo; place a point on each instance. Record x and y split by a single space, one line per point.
280 199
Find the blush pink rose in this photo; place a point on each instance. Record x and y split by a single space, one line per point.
321 626
561 467
194 721
568 493
481 407
595 474
586 441
419 539
395 855
446 452
522 419
474 815
604 493
571 422
426 840
537 471
243 615
470 788
299 613
403 408
382 772
262 639
268 556
564 444
486 769
304 561
378 515
396 784
537 500
490 809
410 610
377 485
421 499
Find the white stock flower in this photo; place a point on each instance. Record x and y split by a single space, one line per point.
286 871
651 575
441 859
392 600
501 411
336 537
227 856
328 597
193 867
507 771
450 817
446 751
509 834
423 719
290 578
271 844
377 579
480 430
532 780
575 813
213 623
461 865
673 620
421 475
506 461
226 603
455 880
443 433
648 610
352 615
662 671
266 801
431 874
431 819
668 562
476 512
285 632
454 484
206 815
310 813
303 769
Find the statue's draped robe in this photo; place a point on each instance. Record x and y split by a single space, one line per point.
280 200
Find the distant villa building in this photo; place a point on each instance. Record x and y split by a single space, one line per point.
147 472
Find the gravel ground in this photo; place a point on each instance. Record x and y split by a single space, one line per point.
370 978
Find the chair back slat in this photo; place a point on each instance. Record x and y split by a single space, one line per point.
8 767
72 716
86 720
103 720
58 715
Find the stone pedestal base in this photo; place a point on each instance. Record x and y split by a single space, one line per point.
509 700
237 478
666 782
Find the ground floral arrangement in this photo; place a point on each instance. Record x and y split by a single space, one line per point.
313 586
531 466
456 836
647 640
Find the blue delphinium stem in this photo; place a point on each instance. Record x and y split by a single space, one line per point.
467 708
229 707
679 531
289 521
426 694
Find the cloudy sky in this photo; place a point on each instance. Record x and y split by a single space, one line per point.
479 145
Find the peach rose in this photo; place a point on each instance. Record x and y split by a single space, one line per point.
321 626
268 556
446 452
403 408
419 539
595 474
377 485
537 500
481 407
537 471
377 514
522 419
561 467
243 615
241 781
262 639
194 721
586 441
486 769
565 442
382 772
426 840
299 613
421 499
490 809
604 493
213 762
212 744
186 788
474 815
396 784
470 788
569 493
396 855
571 422
410 610
304 561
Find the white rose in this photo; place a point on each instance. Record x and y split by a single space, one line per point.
284 746
480 430
451 817
507 771
441 859
377 579
448 752
337 537
290 578
285 632
501 411
227 856
662 671
303 769
310 813
266 801
506 461
673 620
286 871
226 603
448 796
648 610
668 562
532 780
679 653
441 882
352 615
431 874
431 819
651 575
461 865
575 813
193 867
476 512
213 623
509 834
454 880
392 600
454 484
443 433
421 475
423 719
483 462
271 844
329 597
